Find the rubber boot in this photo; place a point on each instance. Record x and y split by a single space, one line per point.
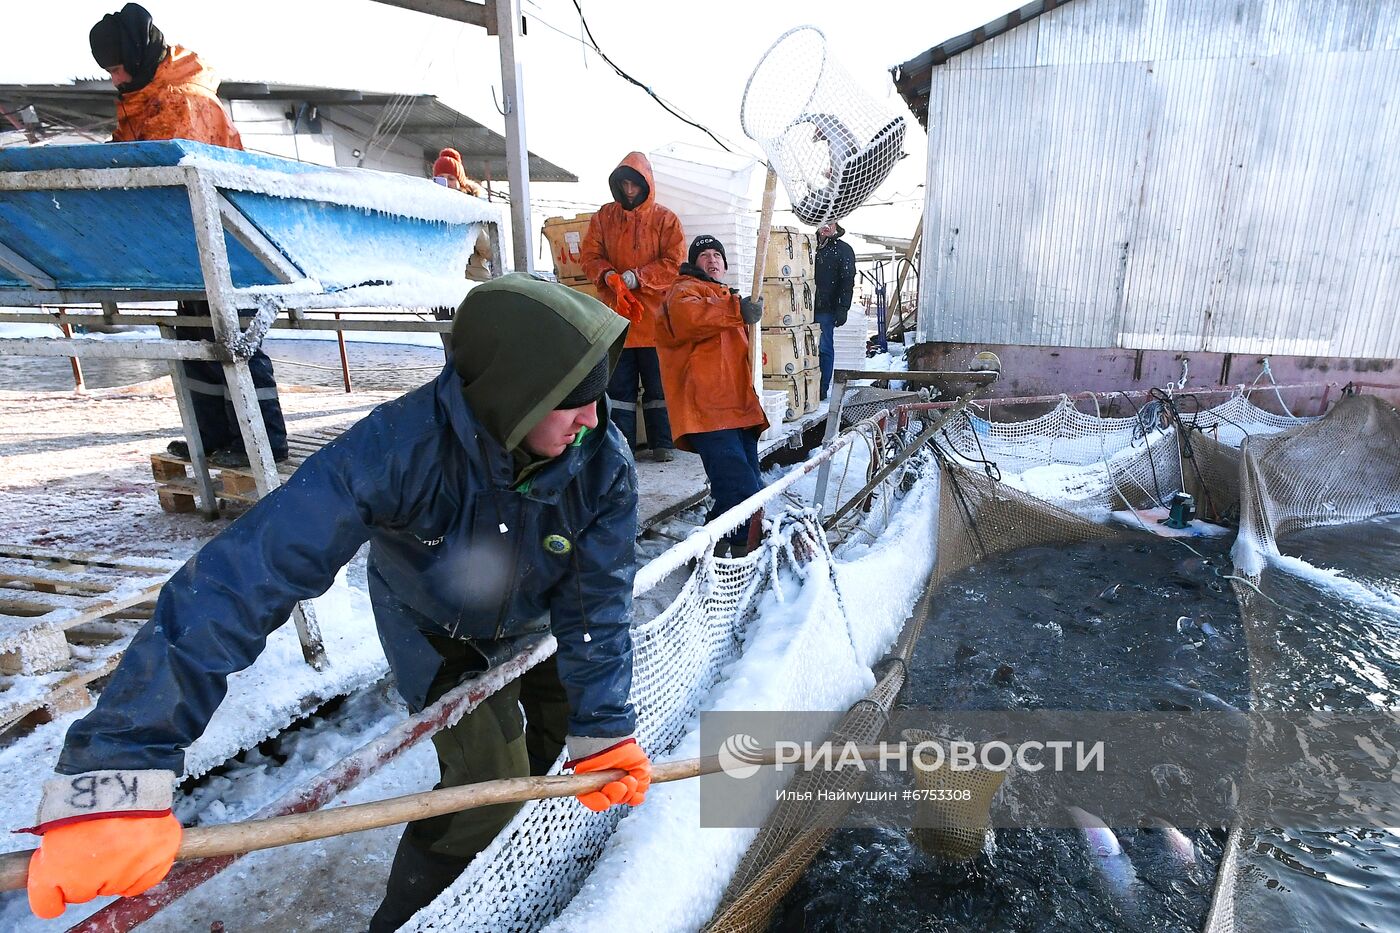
417 877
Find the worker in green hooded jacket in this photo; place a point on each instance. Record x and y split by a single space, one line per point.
498 503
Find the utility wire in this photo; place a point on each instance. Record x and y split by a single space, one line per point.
654 96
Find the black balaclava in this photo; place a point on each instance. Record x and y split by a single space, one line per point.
129 38
632 175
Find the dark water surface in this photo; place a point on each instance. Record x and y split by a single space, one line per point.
1320 651
1083 627
1045 614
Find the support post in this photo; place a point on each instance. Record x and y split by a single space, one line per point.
760 267
344 360
833 427
517 155
199 464
77 367
218 287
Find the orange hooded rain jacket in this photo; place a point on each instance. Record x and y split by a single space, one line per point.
703 344
647 239
179 103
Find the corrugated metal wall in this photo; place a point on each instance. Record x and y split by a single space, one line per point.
1171 174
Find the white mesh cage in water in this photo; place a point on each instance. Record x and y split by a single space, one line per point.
828 141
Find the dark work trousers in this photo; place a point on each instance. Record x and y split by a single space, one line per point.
491 742
826 348
730 458
640 363
213 406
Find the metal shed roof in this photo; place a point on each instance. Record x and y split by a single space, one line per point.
912 79
418 120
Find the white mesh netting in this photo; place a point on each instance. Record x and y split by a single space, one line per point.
1236 418
1340 468
537 863
829 142
1081 462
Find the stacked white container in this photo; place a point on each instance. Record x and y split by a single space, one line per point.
711 192
849 339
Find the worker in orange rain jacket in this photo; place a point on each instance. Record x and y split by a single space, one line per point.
640 243
702 337
165 92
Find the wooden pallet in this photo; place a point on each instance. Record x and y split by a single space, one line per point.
234 487
65 619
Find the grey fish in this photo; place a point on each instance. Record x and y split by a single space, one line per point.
1193 698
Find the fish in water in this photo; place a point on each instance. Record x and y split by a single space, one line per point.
1180 696
1181 848
1114 869
1111 593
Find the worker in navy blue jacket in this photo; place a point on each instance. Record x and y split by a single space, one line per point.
495 508
836 281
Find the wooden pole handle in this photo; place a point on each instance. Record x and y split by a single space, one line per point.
760 263
252 835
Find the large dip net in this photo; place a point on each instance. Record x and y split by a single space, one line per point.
827 139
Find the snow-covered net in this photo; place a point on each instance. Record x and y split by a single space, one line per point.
1339 468
1081 462
829 141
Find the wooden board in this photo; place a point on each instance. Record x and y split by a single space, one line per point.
234 486
65 619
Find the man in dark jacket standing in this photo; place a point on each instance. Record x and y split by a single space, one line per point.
166 92
836 280
494 508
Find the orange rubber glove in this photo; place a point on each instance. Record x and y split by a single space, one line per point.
626 755
110 855
628 304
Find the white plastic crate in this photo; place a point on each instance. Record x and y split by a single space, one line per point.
775 407
707 180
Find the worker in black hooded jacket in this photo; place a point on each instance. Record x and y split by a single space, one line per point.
836 282
495 507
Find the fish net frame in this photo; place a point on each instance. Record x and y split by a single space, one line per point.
829 142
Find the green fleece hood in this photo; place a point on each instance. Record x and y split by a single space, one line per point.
521 344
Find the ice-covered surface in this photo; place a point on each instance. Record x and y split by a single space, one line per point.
812 651
1338 583
1151 520
385 192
